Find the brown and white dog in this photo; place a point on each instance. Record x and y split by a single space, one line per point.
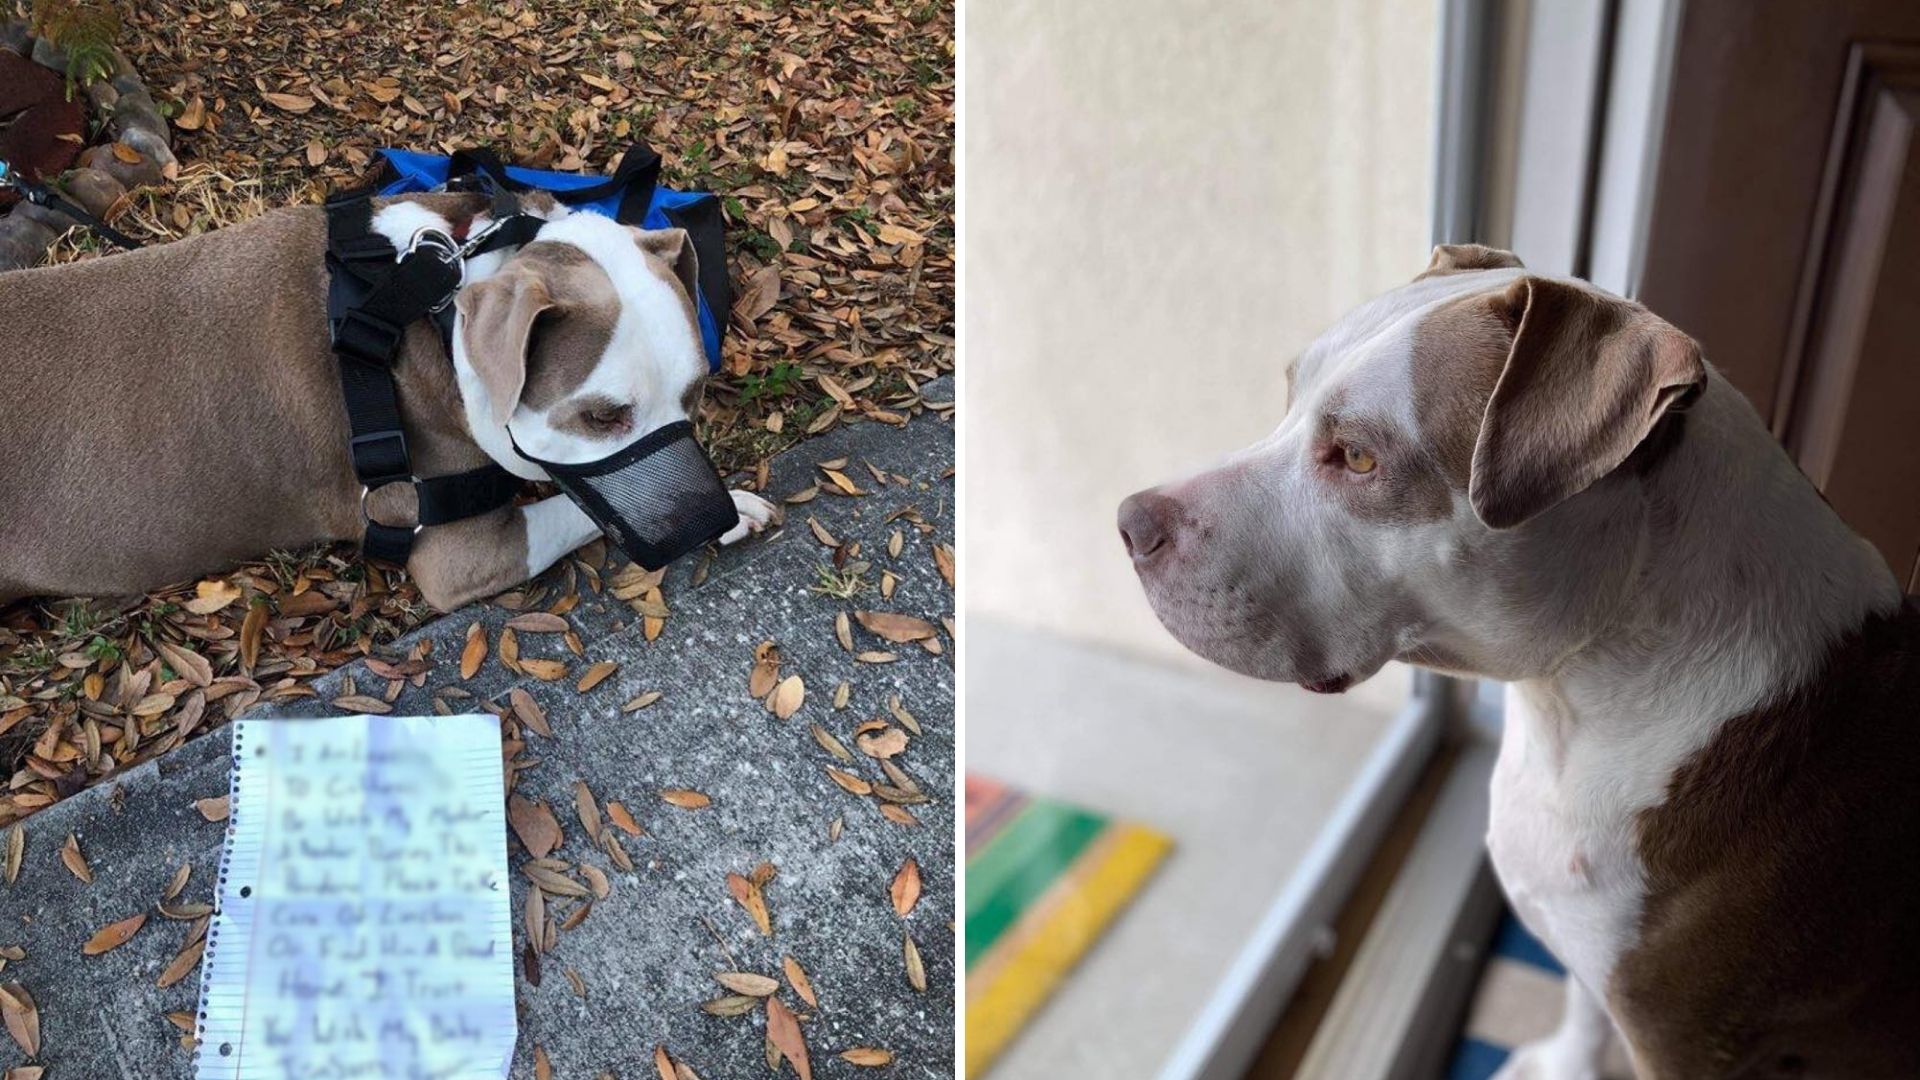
1707 800
177 409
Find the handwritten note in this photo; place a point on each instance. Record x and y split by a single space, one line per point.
363 929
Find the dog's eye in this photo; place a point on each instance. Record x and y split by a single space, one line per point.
609 416
1358 461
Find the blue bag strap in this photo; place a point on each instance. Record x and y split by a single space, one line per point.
632 184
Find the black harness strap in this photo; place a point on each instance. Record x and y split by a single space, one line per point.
371 300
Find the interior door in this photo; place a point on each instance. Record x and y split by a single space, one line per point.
1785 236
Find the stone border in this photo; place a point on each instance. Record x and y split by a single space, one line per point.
103 177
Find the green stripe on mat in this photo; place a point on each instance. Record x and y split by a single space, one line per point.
1031 851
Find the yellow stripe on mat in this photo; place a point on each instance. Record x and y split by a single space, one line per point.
1011 981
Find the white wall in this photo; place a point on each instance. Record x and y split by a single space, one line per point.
1164 203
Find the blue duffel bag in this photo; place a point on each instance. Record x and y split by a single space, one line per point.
630 196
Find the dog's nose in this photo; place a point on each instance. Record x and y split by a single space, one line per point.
1146 523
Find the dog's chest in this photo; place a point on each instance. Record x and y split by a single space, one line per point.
1561 838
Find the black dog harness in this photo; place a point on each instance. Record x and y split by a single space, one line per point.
374 293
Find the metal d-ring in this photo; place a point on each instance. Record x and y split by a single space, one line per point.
366 513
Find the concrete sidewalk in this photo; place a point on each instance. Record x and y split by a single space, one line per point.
646 954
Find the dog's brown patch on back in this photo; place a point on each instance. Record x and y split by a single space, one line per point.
1779 935
1458 352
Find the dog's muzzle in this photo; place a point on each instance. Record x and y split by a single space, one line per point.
658 498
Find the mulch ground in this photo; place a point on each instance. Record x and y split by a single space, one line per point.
827 129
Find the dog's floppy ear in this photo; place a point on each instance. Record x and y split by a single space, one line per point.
1456 258
498 317
675 248
1586 378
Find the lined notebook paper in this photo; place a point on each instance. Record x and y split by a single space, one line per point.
362 927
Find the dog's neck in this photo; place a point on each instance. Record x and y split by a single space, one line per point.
398 222
1744 581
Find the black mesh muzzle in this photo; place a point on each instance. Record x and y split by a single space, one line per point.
658 498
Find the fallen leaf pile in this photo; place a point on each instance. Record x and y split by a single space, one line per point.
827 129
89 688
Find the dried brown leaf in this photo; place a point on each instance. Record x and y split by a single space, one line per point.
747 982
535 825
528 711
184 962
883 744
797 978
916 970
619 815
905 890
475 652
831 744
595 675
787 697
186 663
766 670
76 863
783 1030
895 627
22 1017
748 896
179 881
588 809
361 703
252 631
113 935
850 782
730 1005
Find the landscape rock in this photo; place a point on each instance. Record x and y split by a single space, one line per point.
15 37
131 174
49 55
95 191
137 123
53 219
22 241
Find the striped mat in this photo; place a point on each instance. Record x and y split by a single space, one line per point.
1518 1001
1043 880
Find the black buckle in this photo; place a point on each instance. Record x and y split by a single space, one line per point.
380 458
367 338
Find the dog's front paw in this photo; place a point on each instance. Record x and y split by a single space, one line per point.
1546 1060
756 514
